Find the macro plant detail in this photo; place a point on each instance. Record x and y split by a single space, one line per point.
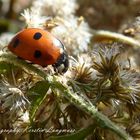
96 97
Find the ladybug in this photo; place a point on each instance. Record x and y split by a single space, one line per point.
40 47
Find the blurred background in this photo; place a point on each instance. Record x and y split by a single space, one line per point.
102 14
10 14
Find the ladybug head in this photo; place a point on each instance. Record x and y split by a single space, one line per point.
61 66
62 63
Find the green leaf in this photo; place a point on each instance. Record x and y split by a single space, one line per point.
12 59
58 85
5 67
79 135
37 94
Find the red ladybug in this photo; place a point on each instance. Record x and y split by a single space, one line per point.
40 47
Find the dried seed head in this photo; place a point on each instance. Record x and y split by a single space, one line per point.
105 61
134 130
56 8
13 99
75 35
33 18
81 69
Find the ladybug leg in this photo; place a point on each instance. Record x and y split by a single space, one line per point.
44 66
31 63
19 57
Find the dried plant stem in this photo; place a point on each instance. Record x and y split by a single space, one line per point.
102 120
101 35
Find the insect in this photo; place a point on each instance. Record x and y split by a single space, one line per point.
40 47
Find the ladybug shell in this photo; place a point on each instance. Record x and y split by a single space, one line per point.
36 45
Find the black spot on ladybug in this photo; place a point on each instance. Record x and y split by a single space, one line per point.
16 43
37 54
37 36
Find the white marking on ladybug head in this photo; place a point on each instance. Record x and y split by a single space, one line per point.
59 44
